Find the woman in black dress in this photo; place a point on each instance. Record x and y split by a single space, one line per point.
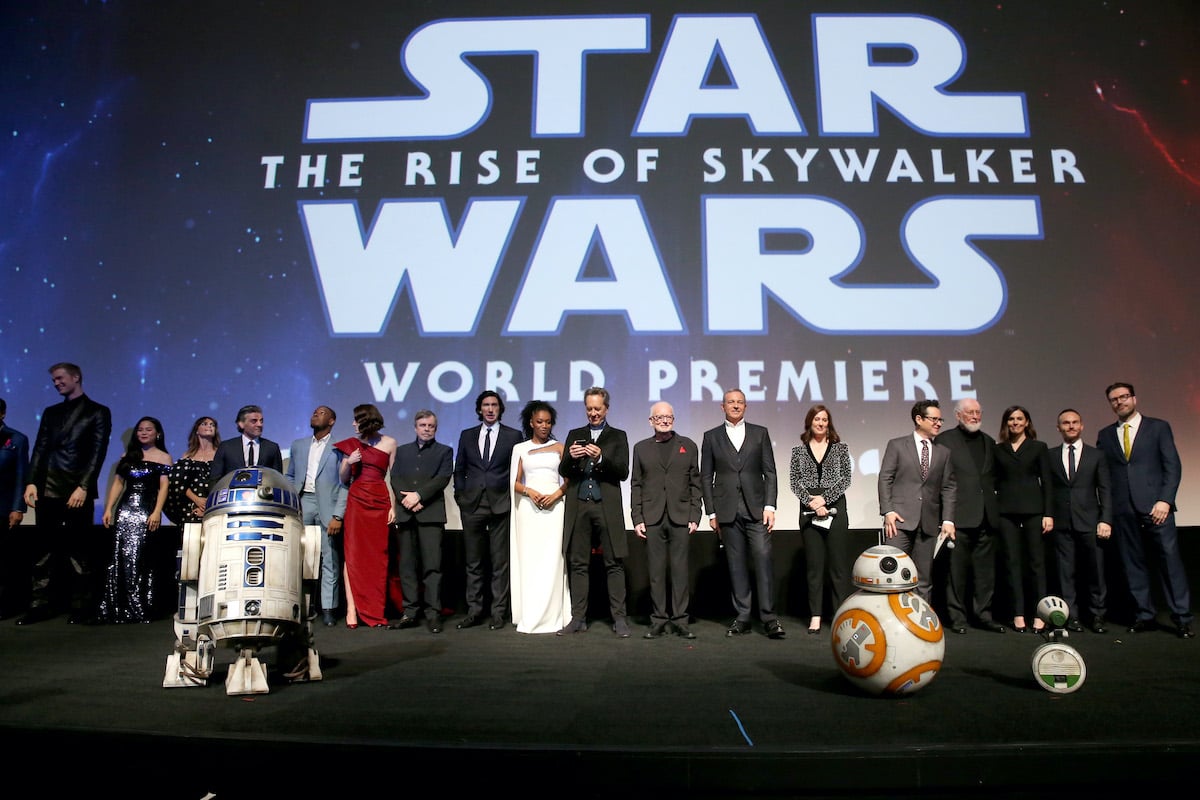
190 479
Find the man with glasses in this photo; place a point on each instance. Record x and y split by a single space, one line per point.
976 519
1145 471
916 492
664 504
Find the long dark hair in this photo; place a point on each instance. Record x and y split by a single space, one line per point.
193 443
832 436
133 451
1030 433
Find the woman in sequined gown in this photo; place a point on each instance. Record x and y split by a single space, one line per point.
133 511
364 465
187 493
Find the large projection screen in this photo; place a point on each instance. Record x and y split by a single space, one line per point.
859 204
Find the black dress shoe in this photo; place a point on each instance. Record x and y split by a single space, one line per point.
994 627
469 621
1020 629
35 615
959 628
1074 626
813 631
497 624
1098 625
656 630
327 619
1184 631
435 624
404 622
738 628
775 630
1139 626
574 626
683 630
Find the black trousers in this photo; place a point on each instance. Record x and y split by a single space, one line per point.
589 527
64 552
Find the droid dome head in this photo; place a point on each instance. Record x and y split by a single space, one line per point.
884 568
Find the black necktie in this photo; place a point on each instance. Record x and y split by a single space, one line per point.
1071 463
250 458
487 446
924 459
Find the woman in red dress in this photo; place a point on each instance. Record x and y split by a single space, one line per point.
364 464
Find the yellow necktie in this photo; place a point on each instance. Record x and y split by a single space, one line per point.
1127 447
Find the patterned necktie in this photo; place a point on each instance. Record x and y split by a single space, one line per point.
1128 447
1071 463
924 459
250 458
487 446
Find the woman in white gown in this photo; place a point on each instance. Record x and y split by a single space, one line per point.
541 599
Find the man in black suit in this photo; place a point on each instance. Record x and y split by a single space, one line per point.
976 519
14 475
664 505
248 450
482 487
420 475
916 493
1081 505
1146 471
595 461
737 475
68 454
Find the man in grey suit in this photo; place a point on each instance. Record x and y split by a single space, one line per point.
1081 505
664 504
737 474
312 470
916 492
976 519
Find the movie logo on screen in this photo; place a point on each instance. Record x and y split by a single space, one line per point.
757 223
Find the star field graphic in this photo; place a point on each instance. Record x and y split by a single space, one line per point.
139 240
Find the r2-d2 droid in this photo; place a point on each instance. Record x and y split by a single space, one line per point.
1058 667
886 639
247 574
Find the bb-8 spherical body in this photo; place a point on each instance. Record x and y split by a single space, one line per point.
887 640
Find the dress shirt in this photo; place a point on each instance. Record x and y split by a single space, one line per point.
483 431
315 454
736 434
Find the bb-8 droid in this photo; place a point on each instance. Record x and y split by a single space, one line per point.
887 640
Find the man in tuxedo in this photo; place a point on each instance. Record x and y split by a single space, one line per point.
1145 471
916 493
664 505
482 487
312 470
248 450
420 475
738 479
68 454
595 460
1081 505
976 519
14 474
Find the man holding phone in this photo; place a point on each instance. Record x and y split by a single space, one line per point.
594 463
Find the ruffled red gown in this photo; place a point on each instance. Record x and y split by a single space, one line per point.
365 529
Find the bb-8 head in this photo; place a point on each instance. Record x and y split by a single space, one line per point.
884 568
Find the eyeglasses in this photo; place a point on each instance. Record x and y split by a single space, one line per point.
663 418
932 420
1121 398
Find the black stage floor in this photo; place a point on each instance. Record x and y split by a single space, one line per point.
82 710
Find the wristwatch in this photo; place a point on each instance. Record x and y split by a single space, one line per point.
335 516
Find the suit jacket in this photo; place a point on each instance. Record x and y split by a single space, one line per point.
72 441
14 472
671 489
1152 472
727 474
975 502
612 468
1022 480
474 480
426 471
330 491
1081 504
922 504
229 456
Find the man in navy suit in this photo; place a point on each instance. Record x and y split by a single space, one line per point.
1081 505
482 488
248 450
737 475
1146 471
14 472
312 471
916 492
